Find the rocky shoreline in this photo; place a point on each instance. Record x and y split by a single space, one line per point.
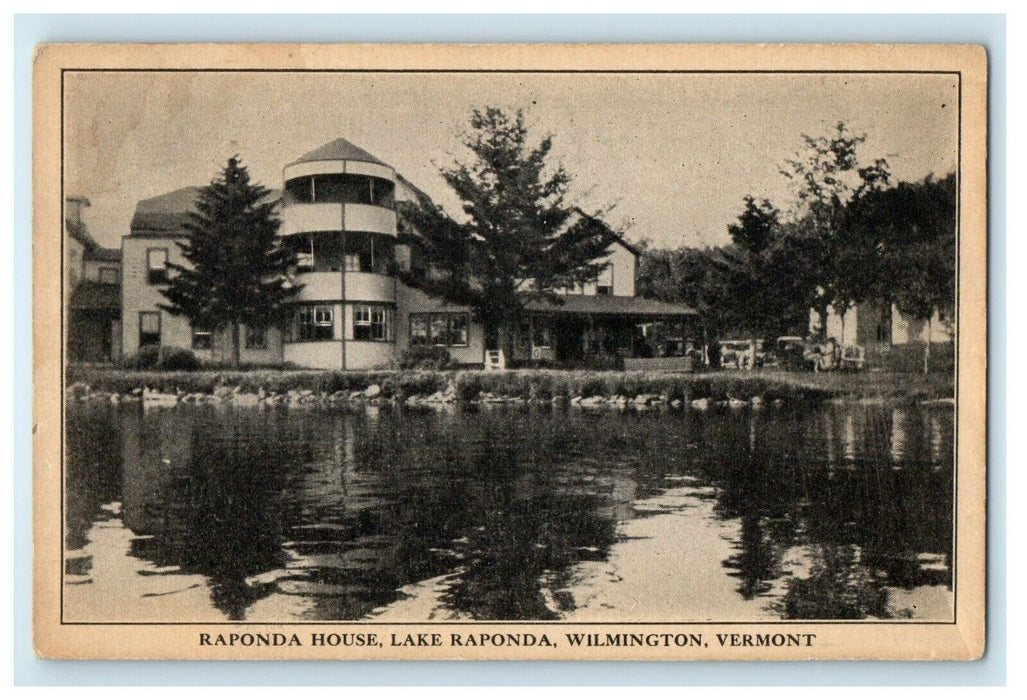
374 395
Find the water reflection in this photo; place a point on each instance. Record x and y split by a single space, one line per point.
837 512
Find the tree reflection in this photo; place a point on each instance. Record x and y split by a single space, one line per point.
341 509
839 587
206 484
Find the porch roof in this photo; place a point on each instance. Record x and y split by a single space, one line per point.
89 295
608 305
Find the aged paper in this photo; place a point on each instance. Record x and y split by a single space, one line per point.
652 483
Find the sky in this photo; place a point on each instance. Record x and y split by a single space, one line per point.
672 154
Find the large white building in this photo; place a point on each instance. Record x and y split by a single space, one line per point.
338 212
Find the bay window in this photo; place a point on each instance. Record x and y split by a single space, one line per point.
441 329
315 322
372 322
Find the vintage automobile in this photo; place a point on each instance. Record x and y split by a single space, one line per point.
741 354
795 354
792 353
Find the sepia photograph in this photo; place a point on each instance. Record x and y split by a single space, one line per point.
510 352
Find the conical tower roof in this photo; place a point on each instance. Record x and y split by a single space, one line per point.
339 149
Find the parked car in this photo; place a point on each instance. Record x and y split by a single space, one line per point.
741 354
792 353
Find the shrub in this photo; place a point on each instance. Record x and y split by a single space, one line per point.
425 358
178 359
145 358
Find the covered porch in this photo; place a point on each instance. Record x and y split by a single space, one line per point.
640 333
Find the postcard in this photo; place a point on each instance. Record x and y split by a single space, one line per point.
522 352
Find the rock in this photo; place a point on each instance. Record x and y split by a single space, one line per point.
645 399
757 401
576 401
373 391
559 398
157 398
737 403
115 398
413 400
676 403
222 392
246 399
356 395
701 404
593 401
136 392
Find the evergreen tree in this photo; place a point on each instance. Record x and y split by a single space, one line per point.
236 270
518 240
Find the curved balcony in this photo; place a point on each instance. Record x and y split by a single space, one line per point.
314 218
360 286
369 286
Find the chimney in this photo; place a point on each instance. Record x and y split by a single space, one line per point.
73 209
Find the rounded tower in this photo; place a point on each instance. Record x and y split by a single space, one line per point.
339 216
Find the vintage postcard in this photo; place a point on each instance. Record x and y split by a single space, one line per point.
632 352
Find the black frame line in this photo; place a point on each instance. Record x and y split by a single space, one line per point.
457 623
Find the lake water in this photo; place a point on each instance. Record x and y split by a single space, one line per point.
207 513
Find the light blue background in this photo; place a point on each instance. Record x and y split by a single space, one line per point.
29 30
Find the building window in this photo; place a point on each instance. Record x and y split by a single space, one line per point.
419 329
442 329
157 265
541 337
604 283
883 330
149 328
353 263
108 275
256 338
372 322
202 339
315 322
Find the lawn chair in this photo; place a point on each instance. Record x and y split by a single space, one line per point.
495 360
853 358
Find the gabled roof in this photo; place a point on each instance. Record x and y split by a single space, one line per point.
339 149
78 231
578 213
93 295
608 305
103 254
165 214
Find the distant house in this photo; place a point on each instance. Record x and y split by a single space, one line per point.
878 325
338 212
92 282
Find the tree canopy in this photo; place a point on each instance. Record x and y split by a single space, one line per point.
850 236
518 238
236 266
